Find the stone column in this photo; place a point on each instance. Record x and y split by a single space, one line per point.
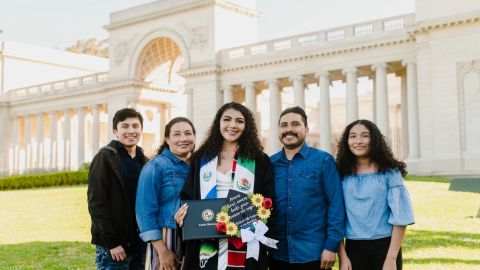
381 97
66 139
95 129
6 141
27 143
227 94
53 141
352 95
81 135
374 99
189 94
162 116
250 97
2 72
298 91
404 111
412 101
274 144
40 158
16 148
325 118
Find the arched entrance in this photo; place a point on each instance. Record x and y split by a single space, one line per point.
158 65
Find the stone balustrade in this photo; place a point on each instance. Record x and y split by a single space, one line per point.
317 38
56 86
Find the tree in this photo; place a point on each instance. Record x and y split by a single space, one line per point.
91 46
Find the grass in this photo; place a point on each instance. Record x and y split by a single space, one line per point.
50 229
427 179
46 228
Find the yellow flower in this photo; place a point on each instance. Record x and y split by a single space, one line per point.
223 217
232 229
263 213
257 200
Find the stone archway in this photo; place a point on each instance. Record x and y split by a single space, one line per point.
158 63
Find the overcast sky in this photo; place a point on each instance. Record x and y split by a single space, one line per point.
60 23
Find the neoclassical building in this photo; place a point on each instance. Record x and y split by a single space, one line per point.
416 75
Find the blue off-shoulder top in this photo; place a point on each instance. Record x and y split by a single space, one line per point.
374 203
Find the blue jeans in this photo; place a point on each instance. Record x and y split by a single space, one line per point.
104 260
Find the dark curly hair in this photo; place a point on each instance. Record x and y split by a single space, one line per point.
249 145
380 152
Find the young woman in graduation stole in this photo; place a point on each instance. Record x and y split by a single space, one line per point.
231 157
377 203
158 194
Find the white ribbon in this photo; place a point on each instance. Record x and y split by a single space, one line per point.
253 239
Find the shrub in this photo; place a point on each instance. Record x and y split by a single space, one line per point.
84 166
44 180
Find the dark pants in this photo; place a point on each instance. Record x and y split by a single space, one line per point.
104 260
370 254
281 265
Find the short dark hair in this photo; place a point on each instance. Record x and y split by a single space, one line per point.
125 113
297 110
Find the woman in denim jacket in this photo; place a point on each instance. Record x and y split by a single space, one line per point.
158 193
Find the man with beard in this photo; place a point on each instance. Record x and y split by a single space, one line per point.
308 204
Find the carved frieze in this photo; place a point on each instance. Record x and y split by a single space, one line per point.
197 38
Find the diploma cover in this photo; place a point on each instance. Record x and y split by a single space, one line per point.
200 221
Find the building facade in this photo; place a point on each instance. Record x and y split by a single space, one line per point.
188 57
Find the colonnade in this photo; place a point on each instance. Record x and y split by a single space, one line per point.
379 72
51 148
48 140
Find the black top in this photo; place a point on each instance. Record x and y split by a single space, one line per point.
131 168
191 191
111 208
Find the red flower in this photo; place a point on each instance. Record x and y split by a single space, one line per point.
221 227
267 203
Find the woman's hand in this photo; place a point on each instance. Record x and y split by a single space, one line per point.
180 215
345 263
167 258
390 264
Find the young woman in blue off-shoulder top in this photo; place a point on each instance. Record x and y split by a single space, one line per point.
377 202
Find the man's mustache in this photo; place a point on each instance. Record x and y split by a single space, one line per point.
289 133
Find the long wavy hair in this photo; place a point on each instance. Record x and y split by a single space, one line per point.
249 145
168 129
380 153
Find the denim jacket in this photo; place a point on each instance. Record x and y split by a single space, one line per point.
158 194
309 207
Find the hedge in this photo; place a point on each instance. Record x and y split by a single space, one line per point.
44 180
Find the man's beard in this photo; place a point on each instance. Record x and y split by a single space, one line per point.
295 145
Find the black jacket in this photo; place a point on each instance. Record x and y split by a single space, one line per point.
113 216
264 184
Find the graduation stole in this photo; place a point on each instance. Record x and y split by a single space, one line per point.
243 177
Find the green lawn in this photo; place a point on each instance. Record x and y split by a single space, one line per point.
49 229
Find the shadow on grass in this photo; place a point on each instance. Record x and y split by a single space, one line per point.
441 261
47 255
433 239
